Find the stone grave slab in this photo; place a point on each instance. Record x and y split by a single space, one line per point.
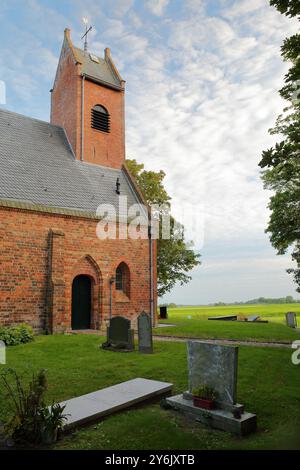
145 333
224 318
96 405
253 318
120 336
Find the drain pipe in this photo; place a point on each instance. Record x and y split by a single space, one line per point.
111 283
82 119
151 275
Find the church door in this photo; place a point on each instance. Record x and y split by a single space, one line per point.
81 303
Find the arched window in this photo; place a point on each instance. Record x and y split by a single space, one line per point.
100 118
123 279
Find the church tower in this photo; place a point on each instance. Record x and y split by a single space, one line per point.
87 100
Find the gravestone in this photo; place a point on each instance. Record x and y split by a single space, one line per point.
120 336
2 352
163 313
291 319
214 366
145 333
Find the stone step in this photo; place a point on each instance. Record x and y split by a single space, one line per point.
95 405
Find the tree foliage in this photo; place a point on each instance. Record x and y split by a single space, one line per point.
174 257
287 7
281 163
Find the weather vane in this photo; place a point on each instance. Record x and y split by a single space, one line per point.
85 36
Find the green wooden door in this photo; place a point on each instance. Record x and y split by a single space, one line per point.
81 303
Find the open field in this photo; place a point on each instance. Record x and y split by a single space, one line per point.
193 322
268 385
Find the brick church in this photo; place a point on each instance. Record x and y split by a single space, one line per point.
56 274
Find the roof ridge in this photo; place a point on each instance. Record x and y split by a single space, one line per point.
31 118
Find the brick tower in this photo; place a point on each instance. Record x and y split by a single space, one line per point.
87 99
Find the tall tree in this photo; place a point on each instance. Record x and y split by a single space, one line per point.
174 257
281 163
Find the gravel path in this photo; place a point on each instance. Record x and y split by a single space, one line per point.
222 341
183 339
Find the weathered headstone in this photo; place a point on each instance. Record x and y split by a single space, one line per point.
216 366
291 319
163 312
2 352
145 333
120 337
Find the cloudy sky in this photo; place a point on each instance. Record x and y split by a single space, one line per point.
202 79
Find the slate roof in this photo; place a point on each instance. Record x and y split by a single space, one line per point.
37 166
99 71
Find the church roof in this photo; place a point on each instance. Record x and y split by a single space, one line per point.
97 68
37 166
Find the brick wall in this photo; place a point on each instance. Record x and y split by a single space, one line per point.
100 147
42 253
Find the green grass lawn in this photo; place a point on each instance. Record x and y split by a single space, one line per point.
193 322
268 385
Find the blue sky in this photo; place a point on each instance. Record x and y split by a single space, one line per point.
202 80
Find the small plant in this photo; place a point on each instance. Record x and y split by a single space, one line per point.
205 392
18 334
32 421
52 420
204 397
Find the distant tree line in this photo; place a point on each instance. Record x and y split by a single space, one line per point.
289 299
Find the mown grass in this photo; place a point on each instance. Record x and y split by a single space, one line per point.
193 322
268 385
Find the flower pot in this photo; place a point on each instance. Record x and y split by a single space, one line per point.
49 436
202 403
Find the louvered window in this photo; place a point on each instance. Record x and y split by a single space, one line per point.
100 118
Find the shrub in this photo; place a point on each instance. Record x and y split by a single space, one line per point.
17 334
32 421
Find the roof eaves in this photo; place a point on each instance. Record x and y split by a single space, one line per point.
102 82
41 208
16 204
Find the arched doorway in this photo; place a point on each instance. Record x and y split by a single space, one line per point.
81 303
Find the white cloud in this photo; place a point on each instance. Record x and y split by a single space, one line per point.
244 7
206 122
157 7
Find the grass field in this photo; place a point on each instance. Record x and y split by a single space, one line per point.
193 322
268 385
